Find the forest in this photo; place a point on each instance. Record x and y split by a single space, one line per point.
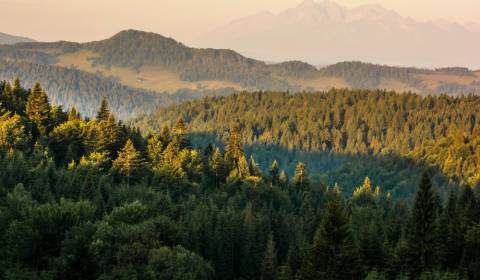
93 198
344 135
71 87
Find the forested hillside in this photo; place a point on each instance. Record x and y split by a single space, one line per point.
357 132
93 199
70 87
153 62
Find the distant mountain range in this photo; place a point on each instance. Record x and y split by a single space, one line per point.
140 71
7 39
326 32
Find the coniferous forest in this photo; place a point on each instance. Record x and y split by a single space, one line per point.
94 198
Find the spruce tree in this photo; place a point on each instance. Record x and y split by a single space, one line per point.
180 137
38 109
269 263
283 178
129 161
300 178
154 150
254 168
274 172
234 148
165 136
333 255
216 166
73 114
421 239
104 111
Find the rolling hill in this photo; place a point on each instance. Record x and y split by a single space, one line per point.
142 68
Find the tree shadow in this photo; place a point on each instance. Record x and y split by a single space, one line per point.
398 175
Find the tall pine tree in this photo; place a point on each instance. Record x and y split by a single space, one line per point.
38 109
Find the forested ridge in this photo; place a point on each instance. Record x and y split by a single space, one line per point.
71 87
132 49
353 132
94 199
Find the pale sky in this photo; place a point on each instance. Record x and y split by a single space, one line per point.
87 20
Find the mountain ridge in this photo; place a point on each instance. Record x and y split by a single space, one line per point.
332 33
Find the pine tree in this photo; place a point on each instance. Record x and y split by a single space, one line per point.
154 150
333 255
453 242
269 263
104 111
234 148
468 207
38 109
274 172
300 178
254 168
243 168
129 161
216 165
73 114
283 178
165 136
421 240
180 137
108 136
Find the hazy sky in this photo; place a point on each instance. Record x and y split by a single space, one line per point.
86 20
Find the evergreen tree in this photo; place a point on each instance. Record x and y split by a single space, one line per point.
154 150
422 234
274 172
333 255
38 109
269 263
283 178
254 168
129 161
180 137
73 114
300 178
104 110
107 136
216 165
234 148
165 136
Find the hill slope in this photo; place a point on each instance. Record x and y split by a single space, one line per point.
7 39
335 132
154 62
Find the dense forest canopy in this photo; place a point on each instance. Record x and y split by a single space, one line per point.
94 199
356 131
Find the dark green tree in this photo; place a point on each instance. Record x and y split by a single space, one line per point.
334 255
421 238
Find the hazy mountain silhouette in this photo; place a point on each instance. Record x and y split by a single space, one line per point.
326 32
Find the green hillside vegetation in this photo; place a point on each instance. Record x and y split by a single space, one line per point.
93 199
70 87
340 134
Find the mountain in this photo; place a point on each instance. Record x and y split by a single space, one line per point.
330 33
141 71
7 39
